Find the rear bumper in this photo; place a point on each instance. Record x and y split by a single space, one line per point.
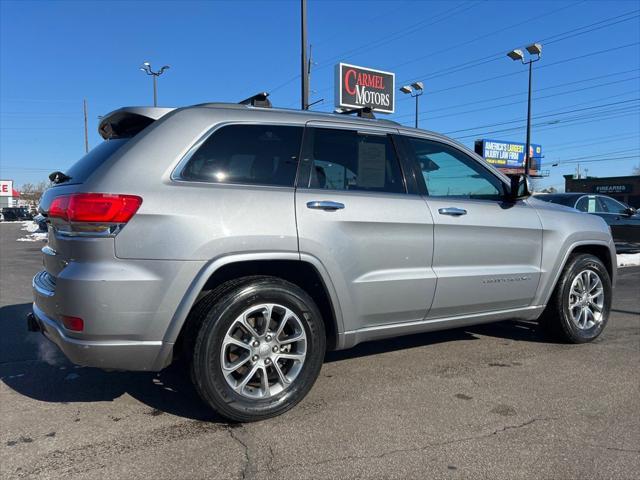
117 355
126 307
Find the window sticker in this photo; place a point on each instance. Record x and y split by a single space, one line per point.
371 164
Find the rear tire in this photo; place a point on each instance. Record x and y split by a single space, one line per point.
259 348
578 310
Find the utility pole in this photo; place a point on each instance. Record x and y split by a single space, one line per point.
86 130
304 101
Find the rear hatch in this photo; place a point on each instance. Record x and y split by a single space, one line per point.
83 223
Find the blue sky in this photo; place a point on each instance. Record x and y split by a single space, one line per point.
586 87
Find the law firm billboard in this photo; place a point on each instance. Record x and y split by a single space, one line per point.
504 154
358 87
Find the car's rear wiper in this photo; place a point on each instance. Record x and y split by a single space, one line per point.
59 177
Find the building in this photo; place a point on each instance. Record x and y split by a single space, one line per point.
8 195
626 189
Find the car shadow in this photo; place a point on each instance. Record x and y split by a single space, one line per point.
34 367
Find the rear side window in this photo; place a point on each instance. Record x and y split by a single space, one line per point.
88 164
351 160
247 154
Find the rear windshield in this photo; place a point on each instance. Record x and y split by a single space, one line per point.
88 164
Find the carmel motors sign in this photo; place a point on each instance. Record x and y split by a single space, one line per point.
358 87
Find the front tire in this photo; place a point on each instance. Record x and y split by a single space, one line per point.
579 308
259 349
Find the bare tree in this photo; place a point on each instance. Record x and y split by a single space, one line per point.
32 192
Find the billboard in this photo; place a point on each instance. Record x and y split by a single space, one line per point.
6 188
505 154
358 87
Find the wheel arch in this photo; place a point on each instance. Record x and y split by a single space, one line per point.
307 273
603 250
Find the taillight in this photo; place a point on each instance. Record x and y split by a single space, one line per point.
94 212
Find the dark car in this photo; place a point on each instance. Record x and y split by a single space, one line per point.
12 214
623 219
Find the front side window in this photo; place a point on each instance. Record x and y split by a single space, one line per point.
447 172
354 161
611 206
247 154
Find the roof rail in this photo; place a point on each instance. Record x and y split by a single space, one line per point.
257 100
363 112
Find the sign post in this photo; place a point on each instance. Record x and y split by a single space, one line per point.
358 87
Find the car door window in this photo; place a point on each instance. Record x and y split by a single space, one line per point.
448 172
609 205
589 204
352 160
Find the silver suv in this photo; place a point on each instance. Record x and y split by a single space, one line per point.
249 240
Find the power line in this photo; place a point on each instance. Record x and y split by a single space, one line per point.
543 116
498 55
523 92
501 54
599 160
482 109
460 8
582 143
468 42
571 59
553 124
386 39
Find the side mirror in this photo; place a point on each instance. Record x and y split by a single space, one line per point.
520 187
630 211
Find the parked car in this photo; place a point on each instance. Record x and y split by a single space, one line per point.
248 240
623 220
12 214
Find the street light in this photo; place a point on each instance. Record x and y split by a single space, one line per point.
415 90
146 67
535 52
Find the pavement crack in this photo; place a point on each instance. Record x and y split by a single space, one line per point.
420 448
248 470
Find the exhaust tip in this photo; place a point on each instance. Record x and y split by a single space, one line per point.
32 323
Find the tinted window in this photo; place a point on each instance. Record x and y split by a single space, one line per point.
88 164
349 160
589 204
249 154
611 206
567 200
448 172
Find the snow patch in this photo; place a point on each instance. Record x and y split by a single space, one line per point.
35 234
628 259
34 237
30 227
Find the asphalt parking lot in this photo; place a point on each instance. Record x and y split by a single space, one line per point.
495 402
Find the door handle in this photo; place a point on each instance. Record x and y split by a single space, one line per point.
325 205
453 211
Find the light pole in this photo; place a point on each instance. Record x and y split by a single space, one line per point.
535 54
146 67
415 90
